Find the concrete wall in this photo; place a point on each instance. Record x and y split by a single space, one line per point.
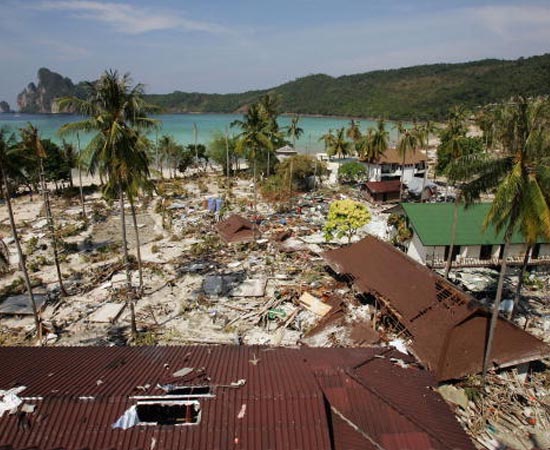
516 251
416 249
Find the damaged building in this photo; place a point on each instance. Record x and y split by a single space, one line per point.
220 397
446 328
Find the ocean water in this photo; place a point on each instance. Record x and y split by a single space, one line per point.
180 126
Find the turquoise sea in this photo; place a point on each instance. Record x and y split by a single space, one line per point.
180 126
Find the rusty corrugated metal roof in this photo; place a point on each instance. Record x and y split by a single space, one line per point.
79 393
381 187
236 229
448 327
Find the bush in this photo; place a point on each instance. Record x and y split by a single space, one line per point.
352 172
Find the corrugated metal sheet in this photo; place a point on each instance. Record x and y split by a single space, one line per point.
236 229
381 187
448 327
80 392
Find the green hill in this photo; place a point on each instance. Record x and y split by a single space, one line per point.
426 91
414 92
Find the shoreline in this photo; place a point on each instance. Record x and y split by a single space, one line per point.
194 113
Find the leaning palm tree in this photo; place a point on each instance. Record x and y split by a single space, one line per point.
9 164
294 131
114 111
30 142
519 177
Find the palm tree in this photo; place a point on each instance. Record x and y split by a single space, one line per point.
338 144
80 164
116 111
327 138
409 141
353 132
254 137
427 129
520 178
9 163
30 141
294 131
380 140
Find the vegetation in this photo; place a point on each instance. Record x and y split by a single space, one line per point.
352 172
519 176
117 112
424 92
9 155
223 151
344 219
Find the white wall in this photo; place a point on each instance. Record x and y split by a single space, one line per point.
416 249
516 251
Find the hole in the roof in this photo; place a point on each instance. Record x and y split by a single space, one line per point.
168 413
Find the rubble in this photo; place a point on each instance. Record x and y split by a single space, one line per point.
258 280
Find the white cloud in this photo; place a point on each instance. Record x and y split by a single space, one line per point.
507 19
127 18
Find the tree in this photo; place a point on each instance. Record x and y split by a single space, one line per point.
170 152
298 169
375 143
409 141
223 151
10 156
338 145
352 172
30 142
117 112
519 176
254 137
344 219
70 158
353 132
294 131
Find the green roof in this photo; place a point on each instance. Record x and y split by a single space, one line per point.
432 222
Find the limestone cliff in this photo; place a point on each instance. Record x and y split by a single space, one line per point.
5 107
40 98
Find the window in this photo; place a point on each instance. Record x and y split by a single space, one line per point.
168 413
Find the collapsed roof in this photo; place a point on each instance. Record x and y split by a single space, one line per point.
448 327
236 229
245 397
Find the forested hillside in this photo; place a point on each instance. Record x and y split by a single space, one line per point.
415 92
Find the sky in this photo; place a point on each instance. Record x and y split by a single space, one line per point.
236 45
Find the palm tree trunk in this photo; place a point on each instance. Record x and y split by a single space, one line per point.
124 238
82 201
22 263
449 262
138 247
254 175
496 307
51 226
268 162
517 294
402 178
